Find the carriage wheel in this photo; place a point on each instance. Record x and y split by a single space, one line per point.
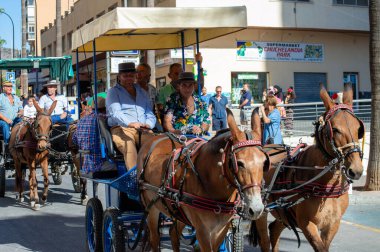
113 234
75 178
94 216
237 236
2 181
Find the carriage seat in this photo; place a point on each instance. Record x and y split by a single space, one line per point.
106 136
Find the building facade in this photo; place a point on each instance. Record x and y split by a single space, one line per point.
287 43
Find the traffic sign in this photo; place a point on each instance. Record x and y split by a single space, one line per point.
10 76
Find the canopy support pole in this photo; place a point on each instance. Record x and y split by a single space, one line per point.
183 50
198 63
78 86
35 90
95 78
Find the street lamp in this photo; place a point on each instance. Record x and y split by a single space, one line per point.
2 11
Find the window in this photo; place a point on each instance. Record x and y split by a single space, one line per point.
31 28
351 2
112 7
100 14
69 35
44 52
30 2
63 43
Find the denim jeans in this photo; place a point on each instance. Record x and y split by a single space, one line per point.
6 128
57 119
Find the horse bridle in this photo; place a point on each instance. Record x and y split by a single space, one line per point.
38 136
340 153
232 164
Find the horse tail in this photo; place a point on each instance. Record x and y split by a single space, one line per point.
254 235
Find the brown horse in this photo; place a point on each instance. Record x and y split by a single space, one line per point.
319 205
28 144
202 192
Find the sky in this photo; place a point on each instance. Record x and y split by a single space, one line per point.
13 9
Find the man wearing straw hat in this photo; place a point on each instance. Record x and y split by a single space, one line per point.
10 110
60 113
129 110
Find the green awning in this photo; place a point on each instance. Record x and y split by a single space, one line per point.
59 67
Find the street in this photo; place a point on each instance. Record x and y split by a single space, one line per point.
59 225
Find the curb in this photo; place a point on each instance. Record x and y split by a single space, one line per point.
364 197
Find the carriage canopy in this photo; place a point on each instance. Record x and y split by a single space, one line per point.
157 28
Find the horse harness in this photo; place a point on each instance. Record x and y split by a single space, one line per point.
311 188
173 198
36 136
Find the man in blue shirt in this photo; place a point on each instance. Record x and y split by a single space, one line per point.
205 97
10 111
217 108
245 101
129 109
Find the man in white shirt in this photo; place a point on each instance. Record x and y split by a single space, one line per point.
60 113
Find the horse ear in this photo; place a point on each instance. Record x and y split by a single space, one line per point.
232 124
348 94
325 97
35 103
256 123
52 107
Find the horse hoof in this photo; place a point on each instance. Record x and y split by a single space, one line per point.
32 204
84 201
43 202
37 207
19 199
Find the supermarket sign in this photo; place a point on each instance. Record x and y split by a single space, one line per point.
279 51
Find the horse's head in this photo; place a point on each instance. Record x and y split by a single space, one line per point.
247 161
43 125
339 133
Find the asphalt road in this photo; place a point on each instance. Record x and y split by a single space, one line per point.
59 225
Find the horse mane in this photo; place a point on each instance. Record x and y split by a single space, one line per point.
219 140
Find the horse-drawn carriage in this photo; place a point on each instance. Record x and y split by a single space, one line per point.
235 158
60 156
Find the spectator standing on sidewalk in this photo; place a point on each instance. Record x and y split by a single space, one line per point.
217 108
290 98
245 101
272 122
204 96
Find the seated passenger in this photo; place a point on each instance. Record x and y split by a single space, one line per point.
87 138
29 110
10 110
129 109
185 112
60 113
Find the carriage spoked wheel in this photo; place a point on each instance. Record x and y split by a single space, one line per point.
56 174
75 178
113 234
94 217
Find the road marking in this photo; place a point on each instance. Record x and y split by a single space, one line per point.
376 230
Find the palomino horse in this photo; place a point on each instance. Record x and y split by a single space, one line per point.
316 180
28 144
202 183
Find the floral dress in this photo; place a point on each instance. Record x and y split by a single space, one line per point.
182 120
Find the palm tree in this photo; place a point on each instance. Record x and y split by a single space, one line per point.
373 170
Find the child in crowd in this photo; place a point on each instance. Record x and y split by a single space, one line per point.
29 109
